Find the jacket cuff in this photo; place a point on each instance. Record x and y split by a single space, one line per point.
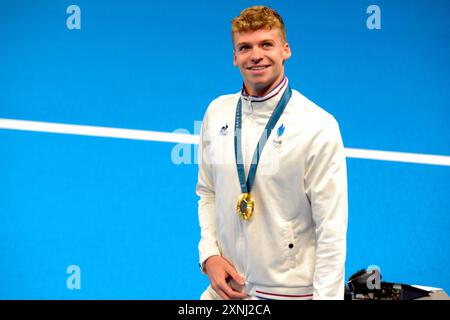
205 255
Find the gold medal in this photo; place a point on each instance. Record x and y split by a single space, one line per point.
245 206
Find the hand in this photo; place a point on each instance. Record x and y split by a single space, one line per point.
221 273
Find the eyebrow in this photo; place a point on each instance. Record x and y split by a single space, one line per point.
248 43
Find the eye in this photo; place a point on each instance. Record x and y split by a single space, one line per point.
244 48
267 45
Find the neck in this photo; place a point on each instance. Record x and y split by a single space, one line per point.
261 91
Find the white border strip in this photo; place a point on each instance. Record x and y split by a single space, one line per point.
398 156
108 132
96 131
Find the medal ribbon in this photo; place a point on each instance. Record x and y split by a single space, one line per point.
246 185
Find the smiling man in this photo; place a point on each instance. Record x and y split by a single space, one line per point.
260 56
272 180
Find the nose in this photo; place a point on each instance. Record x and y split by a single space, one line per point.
256 55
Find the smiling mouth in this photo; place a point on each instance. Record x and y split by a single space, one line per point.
256 68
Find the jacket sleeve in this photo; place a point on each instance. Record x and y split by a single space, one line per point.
326 188
208 245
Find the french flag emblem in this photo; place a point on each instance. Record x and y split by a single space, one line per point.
280 130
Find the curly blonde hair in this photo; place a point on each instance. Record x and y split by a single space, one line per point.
257 18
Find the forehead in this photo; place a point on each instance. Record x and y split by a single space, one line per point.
257 36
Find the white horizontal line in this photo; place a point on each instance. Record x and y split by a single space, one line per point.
398 156
96 131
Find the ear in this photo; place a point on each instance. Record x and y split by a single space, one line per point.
286 51
234 58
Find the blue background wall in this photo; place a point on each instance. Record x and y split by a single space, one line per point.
124 213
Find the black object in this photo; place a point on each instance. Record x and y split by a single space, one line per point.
359 281
366 284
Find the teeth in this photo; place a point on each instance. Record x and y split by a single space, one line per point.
257 68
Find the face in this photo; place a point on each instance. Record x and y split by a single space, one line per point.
260 57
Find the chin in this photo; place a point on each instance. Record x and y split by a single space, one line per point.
261 83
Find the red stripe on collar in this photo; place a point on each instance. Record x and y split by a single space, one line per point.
270 95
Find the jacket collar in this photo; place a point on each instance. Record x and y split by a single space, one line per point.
265 104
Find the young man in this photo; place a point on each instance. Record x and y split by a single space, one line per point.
272 180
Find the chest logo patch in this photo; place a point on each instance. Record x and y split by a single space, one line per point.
277 142
224 130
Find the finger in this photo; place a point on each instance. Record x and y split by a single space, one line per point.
231 293
238 295
236 277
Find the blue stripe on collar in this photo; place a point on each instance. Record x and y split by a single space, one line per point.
268 96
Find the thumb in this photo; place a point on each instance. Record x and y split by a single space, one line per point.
236 277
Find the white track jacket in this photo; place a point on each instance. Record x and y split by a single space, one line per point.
294 245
